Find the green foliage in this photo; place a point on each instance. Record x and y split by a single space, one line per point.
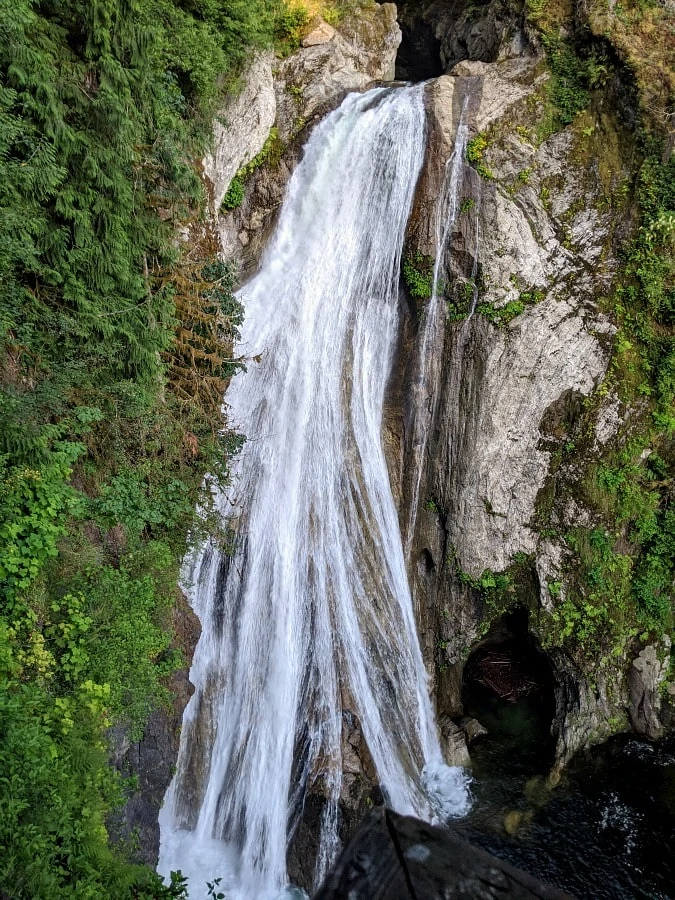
645 302
595 615
34 507
213 892
270 154
234 196
577 70
634 483
635 494
488 581
123 609
474 154
463 295
418 274
140 506
57 788
655 574
501 316
289 26
115 348
568 87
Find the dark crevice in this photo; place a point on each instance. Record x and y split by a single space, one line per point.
419 55
508 685
437 35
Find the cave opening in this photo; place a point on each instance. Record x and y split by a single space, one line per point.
436 36
419 54
508 686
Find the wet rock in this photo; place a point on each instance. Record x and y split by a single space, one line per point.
589 707
515 819
473 729
392 856
453 743
647 674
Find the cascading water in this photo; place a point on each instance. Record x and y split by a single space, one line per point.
313 611
428 361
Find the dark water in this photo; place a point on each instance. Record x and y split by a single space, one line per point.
606 830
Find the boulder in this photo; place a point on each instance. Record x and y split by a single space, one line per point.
391 857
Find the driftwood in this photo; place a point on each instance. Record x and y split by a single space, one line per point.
498 672
394 857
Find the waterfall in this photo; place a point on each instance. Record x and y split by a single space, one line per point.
312 613
429 348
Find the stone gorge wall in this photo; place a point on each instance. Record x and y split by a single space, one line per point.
279 104
519 419
540 228
511 390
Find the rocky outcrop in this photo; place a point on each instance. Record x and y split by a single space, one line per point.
362 50
646 679
393 856
281 100
438 34
241 129
497 466
535 241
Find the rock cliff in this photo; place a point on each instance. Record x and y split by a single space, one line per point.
525 402
522 411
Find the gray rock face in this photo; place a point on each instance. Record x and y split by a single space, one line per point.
318 76
498 470
322 34
242 127
486 466
647 675
505 385
454 743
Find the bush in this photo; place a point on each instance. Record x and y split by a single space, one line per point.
418 274
234 195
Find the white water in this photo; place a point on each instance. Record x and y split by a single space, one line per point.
313 613
429 353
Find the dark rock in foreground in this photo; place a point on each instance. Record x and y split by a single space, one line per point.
394 857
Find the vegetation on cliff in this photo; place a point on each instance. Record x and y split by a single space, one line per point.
622 585
617 586
115 345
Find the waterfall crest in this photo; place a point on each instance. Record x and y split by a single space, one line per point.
312 613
